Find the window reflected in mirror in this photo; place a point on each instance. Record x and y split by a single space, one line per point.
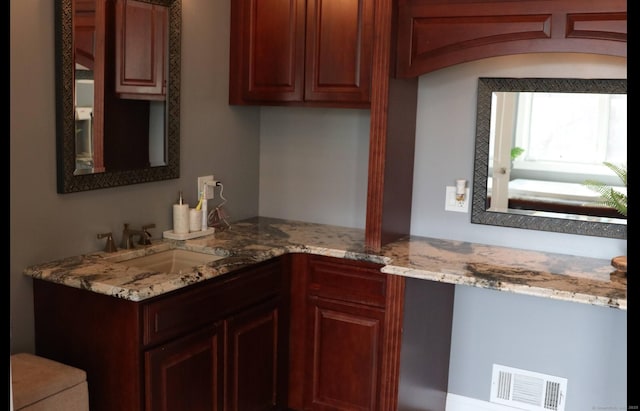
546 145
539 142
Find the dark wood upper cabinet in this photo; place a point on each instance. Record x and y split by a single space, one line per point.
141 43
301 52
435 34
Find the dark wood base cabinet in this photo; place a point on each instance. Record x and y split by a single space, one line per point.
216 345
188 374
299 332
346 316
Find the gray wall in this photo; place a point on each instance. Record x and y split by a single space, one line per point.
445 132
314 164
488 327
215 139
585 344
306 164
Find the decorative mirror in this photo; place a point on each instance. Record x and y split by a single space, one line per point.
539 141
117 92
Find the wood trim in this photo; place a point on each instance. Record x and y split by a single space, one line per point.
433 35
600 26
298 302
99 79
392 341
392 138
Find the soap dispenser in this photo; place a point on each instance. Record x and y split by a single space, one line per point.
180 216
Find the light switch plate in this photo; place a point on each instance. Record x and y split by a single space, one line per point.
451 204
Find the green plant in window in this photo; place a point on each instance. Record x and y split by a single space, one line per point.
609 196
516 152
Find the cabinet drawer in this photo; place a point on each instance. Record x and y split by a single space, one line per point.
347 280
203 304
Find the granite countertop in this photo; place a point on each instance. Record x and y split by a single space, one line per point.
556 276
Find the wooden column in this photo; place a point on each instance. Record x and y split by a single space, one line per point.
392 138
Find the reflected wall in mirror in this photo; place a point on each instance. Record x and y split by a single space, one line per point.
537 141
117 92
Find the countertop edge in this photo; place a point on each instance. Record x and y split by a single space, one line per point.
546 275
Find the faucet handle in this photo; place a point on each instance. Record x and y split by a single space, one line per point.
145 238
110 246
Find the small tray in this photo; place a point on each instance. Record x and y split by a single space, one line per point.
188 236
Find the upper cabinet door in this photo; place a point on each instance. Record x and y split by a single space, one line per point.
338 50
141 50
301 52
267 51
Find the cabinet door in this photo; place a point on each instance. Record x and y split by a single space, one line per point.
267 51
186 374
344 347
141 49
256 379
339 47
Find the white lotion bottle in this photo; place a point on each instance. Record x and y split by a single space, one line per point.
180 217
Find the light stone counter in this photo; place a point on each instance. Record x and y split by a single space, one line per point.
557 276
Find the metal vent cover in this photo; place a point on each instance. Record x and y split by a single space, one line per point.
527 390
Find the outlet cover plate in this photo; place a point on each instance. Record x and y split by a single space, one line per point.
451 204
201 181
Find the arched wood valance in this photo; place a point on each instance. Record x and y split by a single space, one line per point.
434 34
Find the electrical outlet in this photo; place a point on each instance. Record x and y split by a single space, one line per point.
451 204
201 182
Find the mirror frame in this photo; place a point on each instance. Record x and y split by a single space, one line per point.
67 182
479 213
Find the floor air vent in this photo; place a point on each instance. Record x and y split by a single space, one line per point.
527 390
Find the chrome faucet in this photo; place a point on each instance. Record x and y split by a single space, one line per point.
127 242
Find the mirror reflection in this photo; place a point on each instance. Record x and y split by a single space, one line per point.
117 92
538 142
547 144
121 53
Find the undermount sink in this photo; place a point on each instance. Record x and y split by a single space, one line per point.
171 261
